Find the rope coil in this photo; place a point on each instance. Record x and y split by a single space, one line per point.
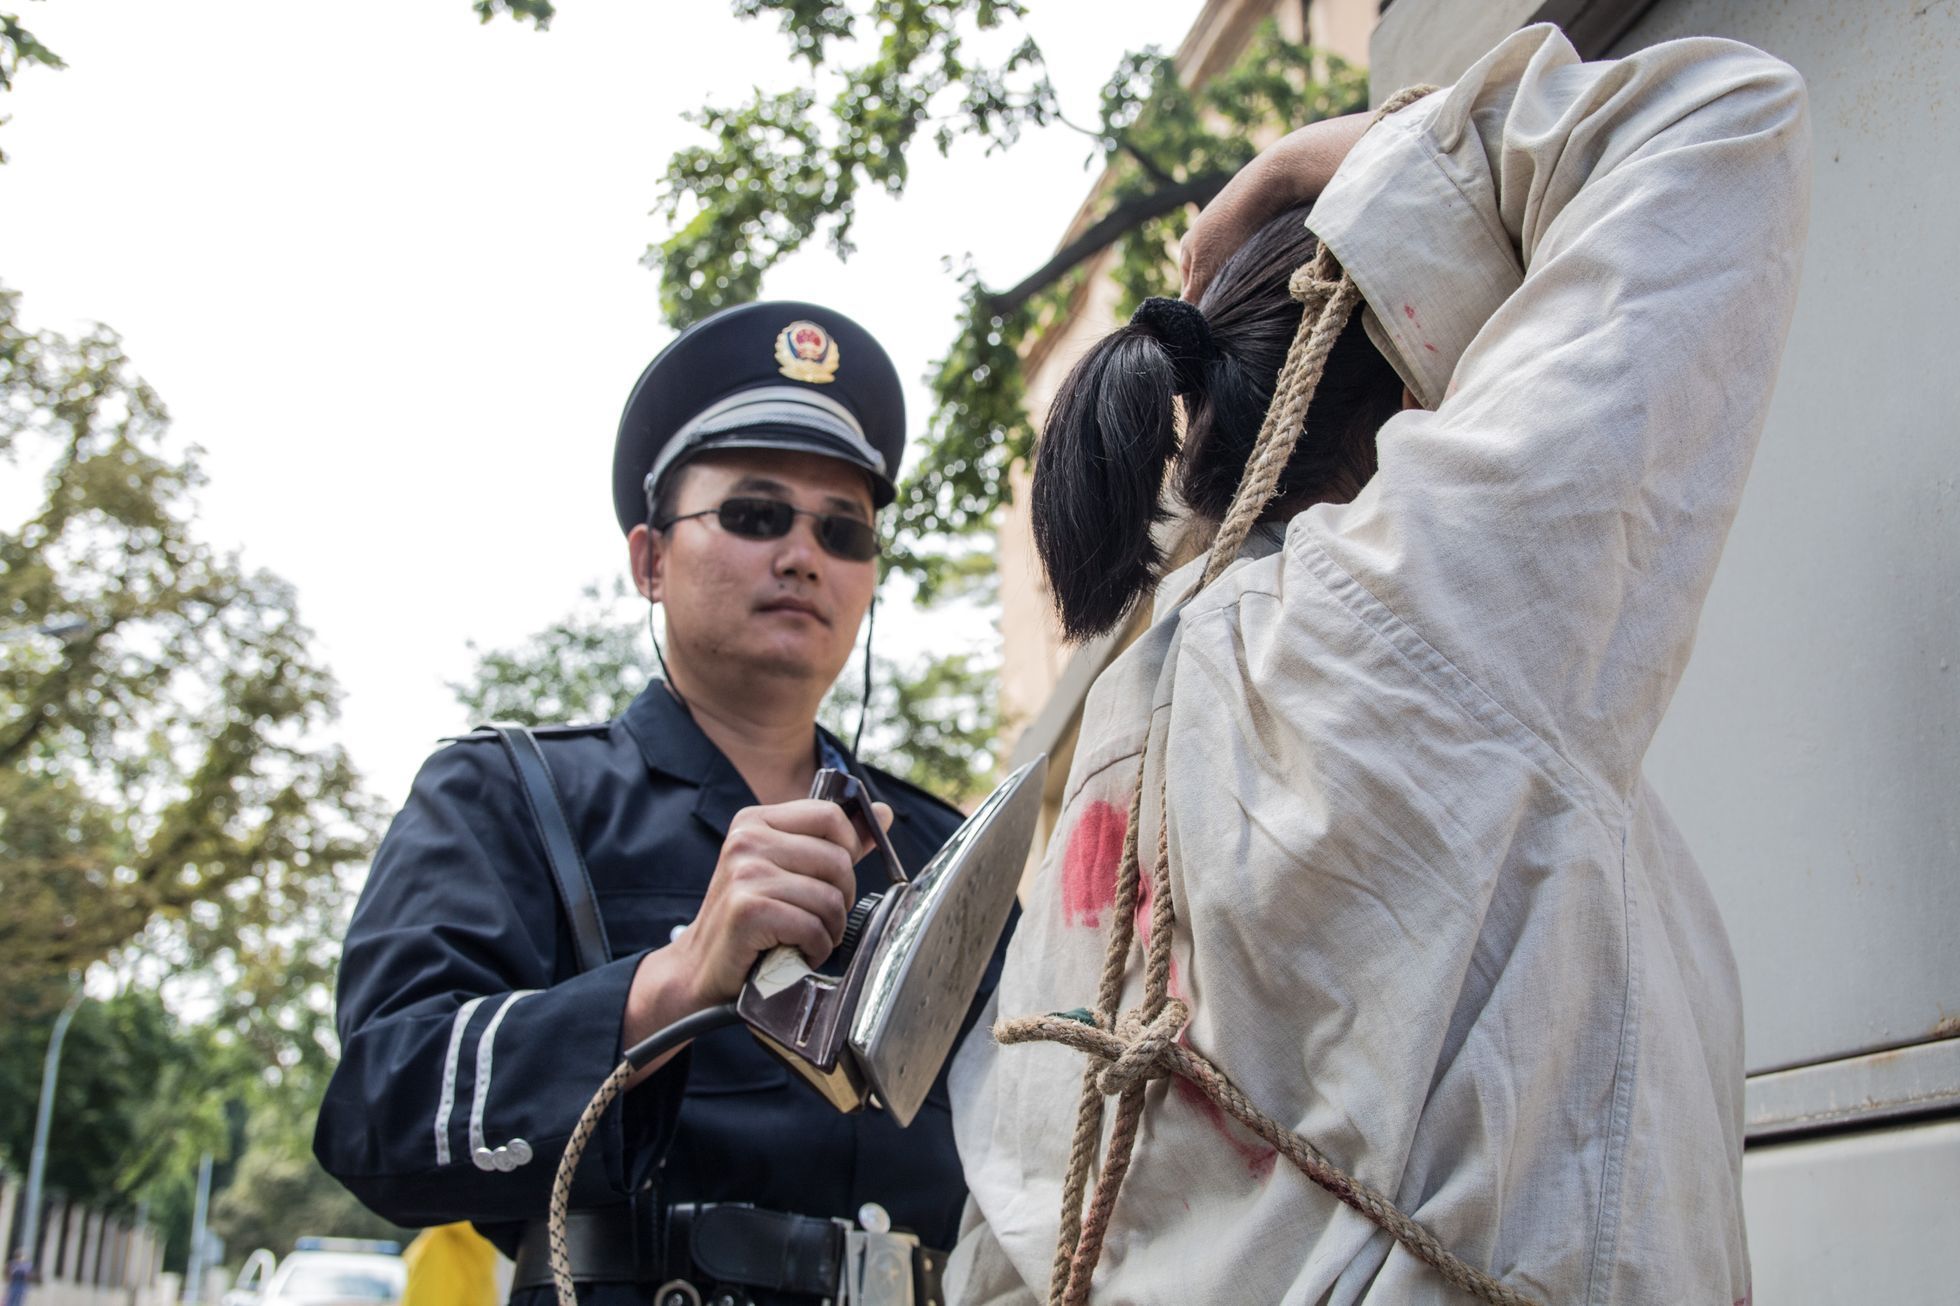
1129 1049
561 1182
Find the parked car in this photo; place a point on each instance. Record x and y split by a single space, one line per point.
325 1272
249 1287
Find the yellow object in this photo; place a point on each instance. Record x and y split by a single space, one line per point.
451 1265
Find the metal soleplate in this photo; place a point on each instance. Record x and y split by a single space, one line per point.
931 957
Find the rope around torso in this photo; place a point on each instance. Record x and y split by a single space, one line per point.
1138 1051
1127 1050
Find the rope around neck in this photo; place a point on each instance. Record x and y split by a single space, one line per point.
1328 295
1126 1051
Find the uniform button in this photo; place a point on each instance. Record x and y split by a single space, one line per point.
674 935
520 1152
484 1158
873 1218
503 1160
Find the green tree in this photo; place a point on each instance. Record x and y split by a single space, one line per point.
162 788
587 666
277 1190
140 1097
934 722
788 167
143 1094
19 49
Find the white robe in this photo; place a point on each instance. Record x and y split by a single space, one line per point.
1430 914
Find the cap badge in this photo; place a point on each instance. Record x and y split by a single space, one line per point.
806 352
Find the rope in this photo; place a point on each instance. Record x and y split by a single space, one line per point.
1126 1051
1328 296
1089 1114
561 1183
1106 1049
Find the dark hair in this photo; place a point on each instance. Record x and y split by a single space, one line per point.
1112 430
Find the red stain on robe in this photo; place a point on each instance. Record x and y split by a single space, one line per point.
1095 848
1089 866
1257 1158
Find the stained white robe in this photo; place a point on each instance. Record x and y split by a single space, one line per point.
1430 914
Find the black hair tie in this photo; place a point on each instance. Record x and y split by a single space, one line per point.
1185 335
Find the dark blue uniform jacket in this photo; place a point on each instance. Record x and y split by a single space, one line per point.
464 1023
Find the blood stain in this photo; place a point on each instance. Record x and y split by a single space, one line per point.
1089 866
1257 1158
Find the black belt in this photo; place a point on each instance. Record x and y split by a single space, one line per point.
712 1246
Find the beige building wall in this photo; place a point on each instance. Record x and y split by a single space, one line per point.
1043 680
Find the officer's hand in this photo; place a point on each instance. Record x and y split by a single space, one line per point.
784 877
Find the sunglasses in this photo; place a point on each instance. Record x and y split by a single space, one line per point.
850 538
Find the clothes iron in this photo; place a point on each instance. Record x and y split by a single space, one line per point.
880 1027
878 1022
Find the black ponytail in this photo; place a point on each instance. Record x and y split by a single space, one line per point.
1112 430
1098 489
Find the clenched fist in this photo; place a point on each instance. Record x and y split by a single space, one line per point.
784 878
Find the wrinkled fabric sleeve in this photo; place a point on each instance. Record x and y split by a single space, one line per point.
454 1035
1587 271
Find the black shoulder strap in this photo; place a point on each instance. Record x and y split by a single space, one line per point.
560 848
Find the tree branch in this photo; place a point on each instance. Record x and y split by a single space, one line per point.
1103 232
1144 161
1122 141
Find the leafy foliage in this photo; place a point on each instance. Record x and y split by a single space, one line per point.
780 170
538 12
160 789
585 667
140 1096
1165 150
934 724
277 1191
788 167
978 431
19 49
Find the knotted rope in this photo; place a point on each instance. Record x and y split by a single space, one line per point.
1328 296
1127 1050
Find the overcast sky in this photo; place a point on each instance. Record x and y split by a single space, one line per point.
382 265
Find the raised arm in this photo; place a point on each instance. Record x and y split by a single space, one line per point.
1291 171
1586 273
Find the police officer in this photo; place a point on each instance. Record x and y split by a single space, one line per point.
751 459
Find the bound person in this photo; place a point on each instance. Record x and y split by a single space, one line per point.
1415 990
486 992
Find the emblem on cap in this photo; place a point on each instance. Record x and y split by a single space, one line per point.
806 352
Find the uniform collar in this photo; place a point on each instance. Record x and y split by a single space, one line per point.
675 746
668 738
